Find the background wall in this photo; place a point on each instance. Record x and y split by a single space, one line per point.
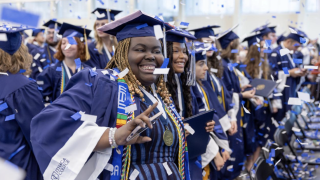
250 14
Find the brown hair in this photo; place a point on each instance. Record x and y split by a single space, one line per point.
172 84
21 59
253 59
120 61
99 43
226 53
81 50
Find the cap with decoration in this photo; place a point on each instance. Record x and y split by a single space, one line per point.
178 35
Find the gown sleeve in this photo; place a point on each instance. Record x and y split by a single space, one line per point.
64 138
28 103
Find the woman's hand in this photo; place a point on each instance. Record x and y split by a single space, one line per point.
187 133
210 126
218 161
234 128
249 94
225 155
245 87
123 132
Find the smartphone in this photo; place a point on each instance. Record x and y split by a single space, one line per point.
138 130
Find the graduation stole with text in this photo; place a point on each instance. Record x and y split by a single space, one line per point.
121 162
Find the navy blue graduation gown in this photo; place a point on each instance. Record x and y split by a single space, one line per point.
31 47
231 82
96 59
50 81
278 63
45 60
55 124
20 101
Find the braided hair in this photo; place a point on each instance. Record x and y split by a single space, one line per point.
172 84
120 61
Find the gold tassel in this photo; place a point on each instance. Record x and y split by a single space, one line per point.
87 49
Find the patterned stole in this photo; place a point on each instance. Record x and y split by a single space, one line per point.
65 76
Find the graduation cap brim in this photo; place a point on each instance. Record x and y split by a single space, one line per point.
206 27
174 35
227 31
72 30
252 39
36 31
137 17
50 22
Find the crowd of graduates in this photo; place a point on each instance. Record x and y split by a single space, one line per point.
68 102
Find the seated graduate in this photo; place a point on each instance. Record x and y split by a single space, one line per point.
43 57
99 109
37 41
71 53
285 69
228 42
101 50
20 101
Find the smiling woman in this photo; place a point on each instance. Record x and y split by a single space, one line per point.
111 104
71 53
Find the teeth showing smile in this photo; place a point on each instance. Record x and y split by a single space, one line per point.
180 63
148 67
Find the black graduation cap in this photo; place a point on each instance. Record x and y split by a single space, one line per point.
137 24
35 32
178 35
69 30
204 32
226 37
252 39
103 14
51 24
14 39
280 39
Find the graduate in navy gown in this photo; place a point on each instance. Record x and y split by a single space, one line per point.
285 69
88 125
37 41
102 49
20 101
257 66
44 57
218 143
228 41
71 53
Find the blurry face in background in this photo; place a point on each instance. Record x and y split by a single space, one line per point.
180 57
39 37
98 24
292 44
201 68
209 42
273 37
71 52
50 35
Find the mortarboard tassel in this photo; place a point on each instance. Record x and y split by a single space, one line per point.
86 44
109 20
165 77
55 37
191 74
